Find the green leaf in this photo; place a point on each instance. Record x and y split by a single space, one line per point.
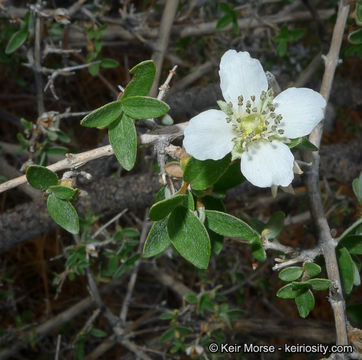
216 241
305 303
297 34
355 37
359 13
312 269
228 225
291 273
302 144
319 284
230 178
258 251
144 107
22 141
356 275
189 236
203 174
130 233
167 316
16 41
225 7
141 83
98 333
157 239
354 229
301 286
167 335
104 115
163 193
275 225
190 201
224 21
40 177
354 313
109 63
346 269
162 208
353 243
28 125
62 192
94 69
357 186
191 298
63 136
282 48
287 292
63 213
123 139
57 150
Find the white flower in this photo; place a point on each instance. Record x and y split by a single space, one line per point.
252 124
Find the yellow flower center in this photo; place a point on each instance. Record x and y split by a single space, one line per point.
252 125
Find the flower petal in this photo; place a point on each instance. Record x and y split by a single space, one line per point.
268 163
208 136
302 109
241 75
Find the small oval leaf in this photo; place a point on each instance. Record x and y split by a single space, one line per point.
312 269
63 213
109 63
16 41
346 269
319 284
123 139
287 292
203 174
275 225
143 76
189 237
305 303
353 243
63 192
144 107
157 239
40 177
228 225
103 116
291 273
162 208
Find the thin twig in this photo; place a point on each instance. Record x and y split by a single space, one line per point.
198 73
132 281
168 17
74 160
57 349
64 72
103 227
325 239
37 59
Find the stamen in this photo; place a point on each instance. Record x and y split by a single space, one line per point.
252 98
254 109
240 100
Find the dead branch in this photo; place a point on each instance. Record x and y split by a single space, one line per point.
161 44
325 240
